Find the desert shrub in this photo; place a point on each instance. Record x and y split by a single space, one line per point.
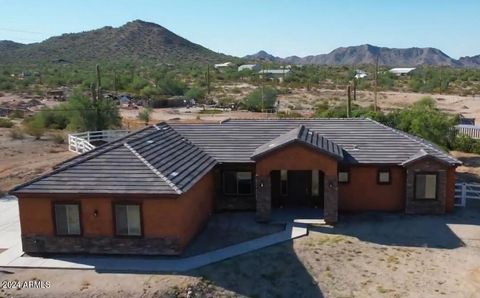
254 102
144 115
58 139
16 134
16 114
35 127
196 93
4 122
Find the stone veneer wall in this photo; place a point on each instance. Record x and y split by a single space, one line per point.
101 245
437 206
264 197
330 204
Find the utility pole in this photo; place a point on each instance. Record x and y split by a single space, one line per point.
208 82
349 101
99 83
354 89
263 84
376 85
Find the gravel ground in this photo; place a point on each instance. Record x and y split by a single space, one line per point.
369 255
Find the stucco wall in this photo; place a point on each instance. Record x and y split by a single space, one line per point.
363 193
299 157
168 221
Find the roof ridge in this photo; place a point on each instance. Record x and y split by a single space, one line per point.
153 169
408 136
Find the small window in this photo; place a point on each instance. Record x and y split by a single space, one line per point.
425 186
383 176
67 219
283 182
237 183
127 220
343 176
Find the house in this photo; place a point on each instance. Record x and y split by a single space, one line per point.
360 74
279 74
223 65
153 190
401 71
252 67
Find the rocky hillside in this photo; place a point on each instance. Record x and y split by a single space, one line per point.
367 54
137 41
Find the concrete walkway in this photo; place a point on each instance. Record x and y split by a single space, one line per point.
13 257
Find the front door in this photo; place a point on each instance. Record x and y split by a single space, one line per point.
297 188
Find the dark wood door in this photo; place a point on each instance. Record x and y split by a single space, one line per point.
299 188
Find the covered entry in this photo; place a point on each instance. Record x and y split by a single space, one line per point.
297 188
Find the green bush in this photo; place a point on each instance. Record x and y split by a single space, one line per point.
254 102
4 122
144 115
35 127
196 93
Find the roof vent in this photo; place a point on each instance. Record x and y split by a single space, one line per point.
355 148
310 133
150 142
272 145
165 128
174 174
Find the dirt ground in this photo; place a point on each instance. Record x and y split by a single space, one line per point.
405 256
25 159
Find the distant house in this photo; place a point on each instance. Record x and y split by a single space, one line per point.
223 65
124 100
360 74
152 191
401 71
279 74
252 67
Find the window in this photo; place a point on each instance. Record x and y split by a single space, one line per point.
127 220
343 176
425 186
237 183
67 219
283 182
315 183
383 176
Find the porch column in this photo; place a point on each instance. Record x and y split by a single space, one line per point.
263 198
331 199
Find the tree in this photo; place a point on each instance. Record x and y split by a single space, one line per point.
196 93
259 99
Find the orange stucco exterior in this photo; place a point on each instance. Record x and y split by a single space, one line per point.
296 157
364 193
175 216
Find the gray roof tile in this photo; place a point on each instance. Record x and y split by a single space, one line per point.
302 135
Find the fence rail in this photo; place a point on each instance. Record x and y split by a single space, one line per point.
82 142
466 191
469 130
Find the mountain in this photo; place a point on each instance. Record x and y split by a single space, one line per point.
262 55
473 62
136 40
367 54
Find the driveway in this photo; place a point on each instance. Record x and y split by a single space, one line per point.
9 223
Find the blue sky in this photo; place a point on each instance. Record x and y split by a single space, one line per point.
296 27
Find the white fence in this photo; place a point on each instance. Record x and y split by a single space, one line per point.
469 130
82 142
464 191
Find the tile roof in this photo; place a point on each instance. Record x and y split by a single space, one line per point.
302 135
171 158
363 141
153 160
